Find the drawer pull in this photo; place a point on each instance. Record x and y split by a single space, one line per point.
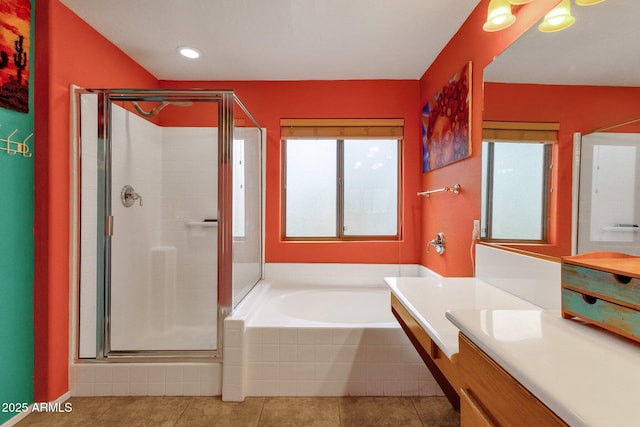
589 299
622 279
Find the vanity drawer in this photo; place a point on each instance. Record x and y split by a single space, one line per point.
604 284
492 397
609 315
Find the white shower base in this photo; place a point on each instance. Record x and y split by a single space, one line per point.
178 338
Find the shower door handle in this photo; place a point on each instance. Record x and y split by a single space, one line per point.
108 225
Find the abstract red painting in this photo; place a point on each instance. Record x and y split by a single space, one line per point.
446 136
15 44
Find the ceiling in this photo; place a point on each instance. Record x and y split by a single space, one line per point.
600 48
279 39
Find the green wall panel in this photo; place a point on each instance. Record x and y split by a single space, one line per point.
16 241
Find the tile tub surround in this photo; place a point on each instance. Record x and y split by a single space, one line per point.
316 360
308 361
334 362
301 274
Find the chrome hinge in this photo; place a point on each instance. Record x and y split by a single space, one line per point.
108 225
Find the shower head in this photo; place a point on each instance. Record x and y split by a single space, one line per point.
158 108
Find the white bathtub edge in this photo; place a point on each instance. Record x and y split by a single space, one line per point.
251 301
333 273
424 272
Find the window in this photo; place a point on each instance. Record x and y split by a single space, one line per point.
516 181
341 188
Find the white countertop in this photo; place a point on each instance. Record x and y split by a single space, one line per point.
587 376
429 298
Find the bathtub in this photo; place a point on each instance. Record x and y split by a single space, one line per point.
324 306
325 339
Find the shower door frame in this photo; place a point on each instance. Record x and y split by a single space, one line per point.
225 100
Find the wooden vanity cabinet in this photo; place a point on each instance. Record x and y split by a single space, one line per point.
489 396
444 371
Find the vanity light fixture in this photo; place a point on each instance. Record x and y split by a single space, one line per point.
189 52
499 16
558 18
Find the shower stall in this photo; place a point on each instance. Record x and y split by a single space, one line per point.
168 219
608 208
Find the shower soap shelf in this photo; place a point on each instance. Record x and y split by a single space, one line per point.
202 223
622 227
603 288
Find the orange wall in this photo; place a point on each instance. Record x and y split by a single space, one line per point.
70 52
269 102
67 51
577 109
446 212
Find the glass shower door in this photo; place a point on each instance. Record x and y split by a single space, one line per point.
164 237
169 226
247 211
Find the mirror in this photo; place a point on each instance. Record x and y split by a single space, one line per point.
584 78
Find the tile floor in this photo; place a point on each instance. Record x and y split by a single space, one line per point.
254 411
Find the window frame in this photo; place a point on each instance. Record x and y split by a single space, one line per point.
339 131
519 133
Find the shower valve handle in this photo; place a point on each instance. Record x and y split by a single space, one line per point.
437 243
129 196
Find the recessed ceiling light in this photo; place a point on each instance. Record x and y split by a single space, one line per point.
189 52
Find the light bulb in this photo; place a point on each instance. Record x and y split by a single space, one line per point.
499 16
588 2
189 52
558 18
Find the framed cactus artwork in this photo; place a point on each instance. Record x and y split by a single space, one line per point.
446 123
15 43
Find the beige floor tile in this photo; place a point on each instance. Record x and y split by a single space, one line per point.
212 411
300 411
378 412
436 411
84 411
256 411
144 411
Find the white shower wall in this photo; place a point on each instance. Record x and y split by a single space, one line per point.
190 194
163 275
136 160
